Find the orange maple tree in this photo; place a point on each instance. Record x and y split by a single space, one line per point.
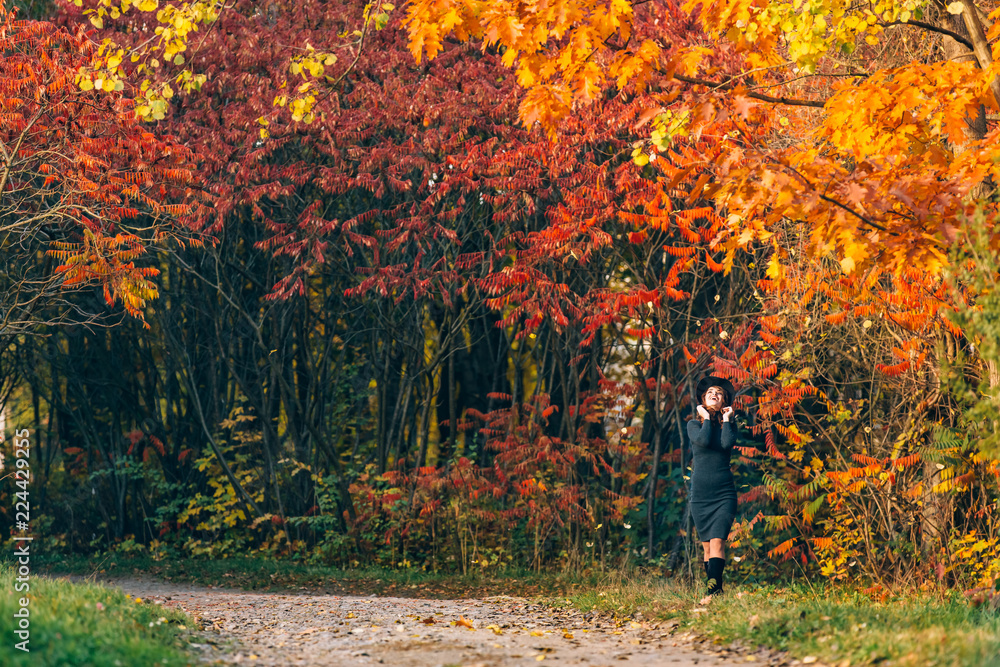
865 151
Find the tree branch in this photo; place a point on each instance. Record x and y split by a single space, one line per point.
933 28
728 85
857 215
831 200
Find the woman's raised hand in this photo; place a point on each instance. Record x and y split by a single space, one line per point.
703 412
727 412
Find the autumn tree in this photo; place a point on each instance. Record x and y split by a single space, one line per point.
85 187
820 66
86 193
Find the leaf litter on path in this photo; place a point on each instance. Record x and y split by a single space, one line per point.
346 630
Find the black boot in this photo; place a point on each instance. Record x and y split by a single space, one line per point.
715 568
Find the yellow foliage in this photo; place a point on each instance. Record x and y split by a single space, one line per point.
976 556
176 23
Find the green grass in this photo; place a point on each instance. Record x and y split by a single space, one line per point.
835 625
69 627
260 573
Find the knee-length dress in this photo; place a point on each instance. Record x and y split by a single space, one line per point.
713 489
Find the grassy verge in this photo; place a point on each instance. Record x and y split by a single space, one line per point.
85 624
267 574
822 626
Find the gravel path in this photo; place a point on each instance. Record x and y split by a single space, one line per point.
342 630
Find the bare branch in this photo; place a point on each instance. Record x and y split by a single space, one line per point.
932 28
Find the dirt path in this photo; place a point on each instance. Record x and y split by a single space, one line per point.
341 630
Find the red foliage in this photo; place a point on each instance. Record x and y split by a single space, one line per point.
80 167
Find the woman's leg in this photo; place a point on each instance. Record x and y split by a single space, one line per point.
716 548
707 548
716 565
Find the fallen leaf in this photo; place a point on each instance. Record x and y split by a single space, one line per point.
567 635
428 621
495 628
465 623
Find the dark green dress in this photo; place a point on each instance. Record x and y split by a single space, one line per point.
713 489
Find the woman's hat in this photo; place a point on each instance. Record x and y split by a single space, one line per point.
715 381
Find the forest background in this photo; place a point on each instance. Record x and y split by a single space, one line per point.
430 286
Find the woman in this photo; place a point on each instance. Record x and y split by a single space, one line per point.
713 489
